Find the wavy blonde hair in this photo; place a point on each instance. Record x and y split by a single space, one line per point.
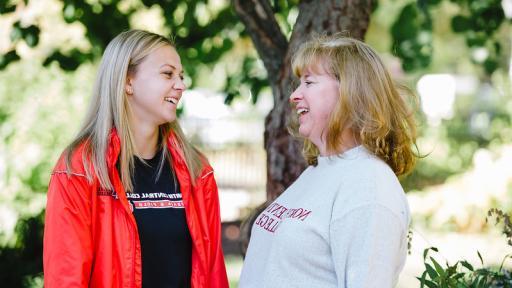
109 109
378 111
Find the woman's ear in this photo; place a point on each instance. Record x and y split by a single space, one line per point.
128 88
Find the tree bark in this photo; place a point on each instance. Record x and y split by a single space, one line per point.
284 160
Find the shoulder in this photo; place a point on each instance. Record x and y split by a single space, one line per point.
370 182
365 164
369 170
75 166
70 184
207 174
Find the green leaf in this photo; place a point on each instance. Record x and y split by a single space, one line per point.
16 32
460 24
31 35
480 257
467 265
405 26
7 58
68 62
7 7
497 47
490 65
431 272
425 252
439 269
451 270
422 279
503 261
482 282
458 275
433 2
431 284
474 39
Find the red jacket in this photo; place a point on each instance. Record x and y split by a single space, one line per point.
91 238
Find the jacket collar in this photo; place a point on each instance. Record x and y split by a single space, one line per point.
113 149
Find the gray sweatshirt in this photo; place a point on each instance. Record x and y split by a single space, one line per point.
341 224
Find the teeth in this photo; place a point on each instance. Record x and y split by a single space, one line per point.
301 111
171 100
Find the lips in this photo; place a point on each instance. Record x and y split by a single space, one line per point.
302 111
171 100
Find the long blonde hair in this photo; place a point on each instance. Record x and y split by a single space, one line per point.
109 109
370 103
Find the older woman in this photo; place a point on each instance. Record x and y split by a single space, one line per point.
344 221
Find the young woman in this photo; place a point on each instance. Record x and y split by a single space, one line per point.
344 221
130 202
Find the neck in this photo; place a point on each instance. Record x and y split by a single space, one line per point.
146 140
348 141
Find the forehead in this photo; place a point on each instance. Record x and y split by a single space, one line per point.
309 60
317 67
164 56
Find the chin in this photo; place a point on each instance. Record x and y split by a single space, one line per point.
303 133
170 118
167 120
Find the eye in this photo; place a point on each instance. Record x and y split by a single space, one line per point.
308 82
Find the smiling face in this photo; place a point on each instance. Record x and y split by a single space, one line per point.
314 100
155 87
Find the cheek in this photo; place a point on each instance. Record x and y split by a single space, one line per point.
153 88
331 102
141 85
326 110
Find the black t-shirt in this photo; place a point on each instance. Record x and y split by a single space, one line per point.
164 235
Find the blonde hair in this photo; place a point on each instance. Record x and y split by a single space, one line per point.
369 102
109 109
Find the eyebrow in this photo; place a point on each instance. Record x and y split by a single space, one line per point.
172 66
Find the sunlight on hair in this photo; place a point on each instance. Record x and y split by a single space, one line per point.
437 92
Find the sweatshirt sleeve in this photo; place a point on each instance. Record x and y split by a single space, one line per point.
367 247
67 244
218 276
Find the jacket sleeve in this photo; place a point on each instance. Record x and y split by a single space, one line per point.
218 276
67 244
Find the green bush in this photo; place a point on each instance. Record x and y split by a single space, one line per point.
462 274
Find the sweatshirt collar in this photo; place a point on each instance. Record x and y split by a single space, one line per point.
350 154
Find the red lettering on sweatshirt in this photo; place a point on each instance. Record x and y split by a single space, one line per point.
275 213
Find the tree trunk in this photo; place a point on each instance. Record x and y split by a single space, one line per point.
284 160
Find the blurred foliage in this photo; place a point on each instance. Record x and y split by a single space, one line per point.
462 274
477 21
412 37
23 260
480 120
203 32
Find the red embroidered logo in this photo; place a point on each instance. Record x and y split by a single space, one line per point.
105 192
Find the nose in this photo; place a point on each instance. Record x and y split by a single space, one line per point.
180 85
296 96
